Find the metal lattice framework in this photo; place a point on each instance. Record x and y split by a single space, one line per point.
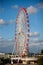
22 32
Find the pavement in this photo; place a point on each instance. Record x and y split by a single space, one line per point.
20 64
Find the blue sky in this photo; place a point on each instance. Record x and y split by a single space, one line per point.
8 12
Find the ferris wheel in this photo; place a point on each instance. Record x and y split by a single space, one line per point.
22 32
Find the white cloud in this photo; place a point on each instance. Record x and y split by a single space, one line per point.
34 40
35 47
10 40
42 43
39 5
30 34
34 34
31 9
34 44
11 21
35 8
1 39
15 6
5 43
2 21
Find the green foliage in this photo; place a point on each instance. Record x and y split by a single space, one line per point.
10 53
5 61
40 60
41 51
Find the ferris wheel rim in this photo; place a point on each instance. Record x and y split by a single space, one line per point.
25 12
23 9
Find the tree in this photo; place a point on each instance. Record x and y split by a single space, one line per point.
40 60
41 51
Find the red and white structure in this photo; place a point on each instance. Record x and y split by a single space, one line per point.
22 32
